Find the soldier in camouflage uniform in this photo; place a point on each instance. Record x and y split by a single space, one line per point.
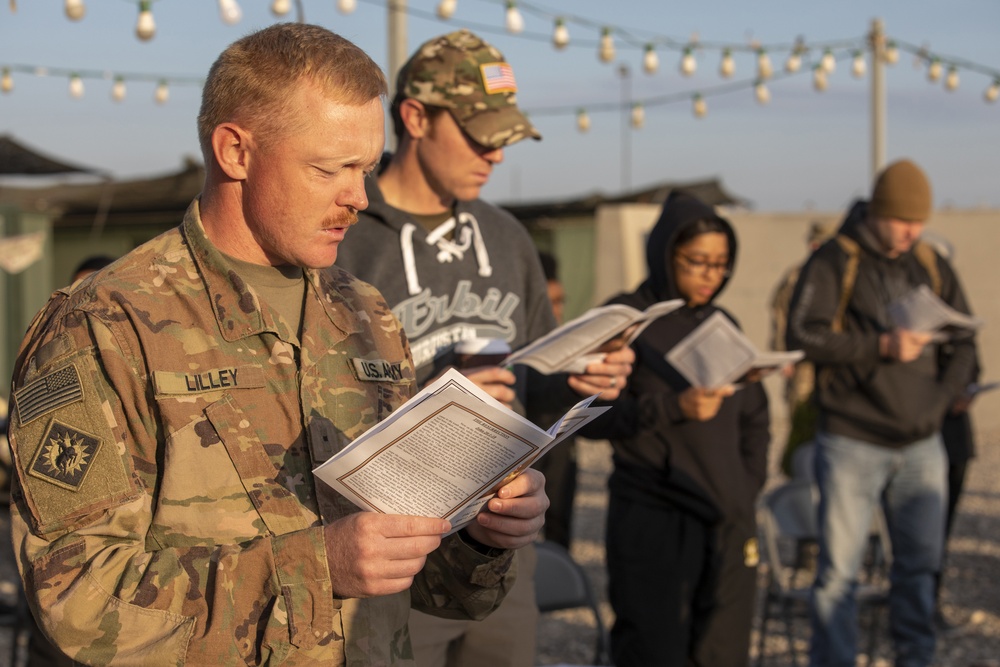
454 267
168 411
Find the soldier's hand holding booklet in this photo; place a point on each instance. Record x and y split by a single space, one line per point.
445 452
923 310
717 354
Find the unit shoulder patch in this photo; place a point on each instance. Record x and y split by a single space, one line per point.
65 456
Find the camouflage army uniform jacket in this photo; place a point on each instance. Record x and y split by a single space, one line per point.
165 425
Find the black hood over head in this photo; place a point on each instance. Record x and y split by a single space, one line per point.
680 211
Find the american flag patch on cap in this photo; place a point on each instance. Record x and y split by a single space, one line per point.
498 78
51 392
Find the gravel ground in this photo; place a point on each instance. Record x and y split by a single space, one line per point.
971 591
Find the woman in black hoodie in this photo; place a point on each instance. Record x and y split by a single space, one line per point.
689 462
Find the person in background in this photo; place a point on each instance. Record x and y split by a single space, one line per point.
689 463
559 466
882 395
453 267
90 265
167 415
799 377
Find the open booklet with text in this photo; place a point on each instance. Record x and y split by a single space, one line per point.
717 353
921 309
576 344
445 452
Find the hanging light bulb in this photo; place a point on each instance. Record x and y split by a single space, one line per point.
764 69
638 116
951 81
560 34
6 80
75 9
582 121
145 27
606 50
698 106
75 85
688 63
828 61
230 11
934 70
162 92
650 60
118 89
794 62
515 22
990 94
281 7
819 78
346 6
891 53
727 66
858 67
446 9
761 93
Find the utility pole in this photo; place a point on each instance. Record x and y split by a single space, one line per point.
398 49
877 48
626 157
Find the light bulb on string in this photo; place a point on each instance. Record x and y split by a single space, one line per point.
858 66
230 12
688 63
346 6
582 121
162 93
934 70
990 94
638 118
819 78
145 26
891 53
698 106
951 80
764 69
513 19
761 93
727 66
281 7
606 51
794 62
446 9
6 80
828 61
75 85
75 9
118 89
650 60
560 34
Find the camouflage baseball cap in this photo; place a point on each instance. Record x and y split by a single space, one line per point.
470 78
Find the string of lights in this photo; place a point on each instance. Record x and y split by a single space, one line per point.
820 57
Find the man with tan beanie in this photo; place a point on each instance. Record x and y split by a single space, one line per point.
881 393
454 267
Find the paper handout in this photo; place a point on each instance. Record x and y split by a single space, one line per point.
444 453
923 310
573 346
717 353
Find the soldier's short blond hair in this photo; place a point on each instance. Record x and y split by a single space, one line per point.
250 81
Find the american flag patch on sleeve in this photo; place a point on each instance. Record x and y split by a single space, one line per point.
50 392
498 78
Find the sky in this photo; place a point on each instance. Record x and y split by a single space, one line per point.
804 150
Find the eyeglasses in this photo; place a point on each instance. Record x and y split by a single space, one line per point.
692 265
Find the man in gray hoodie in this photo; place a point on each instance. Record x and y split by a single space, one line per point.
454 267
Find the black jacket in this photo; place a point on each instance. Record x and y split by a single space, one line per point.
714 468
859 394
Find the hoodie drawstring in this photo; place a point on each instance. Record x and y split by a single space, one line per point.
467 235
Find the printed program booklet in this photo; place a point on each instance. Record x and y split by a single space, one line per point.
571 347
717 353
923 310
445 452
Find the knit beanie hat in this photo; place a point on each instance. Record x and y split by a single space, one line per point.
902 191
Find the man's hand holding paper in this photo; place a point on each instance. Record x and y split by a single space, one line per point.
607 377
513 518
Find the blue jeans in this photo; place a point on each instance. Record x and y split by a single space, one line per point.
911 483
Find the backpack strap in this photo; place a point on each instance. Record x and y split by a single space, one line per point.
925 254
853 252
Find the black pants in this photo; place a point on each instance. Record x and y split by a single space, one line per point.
681 590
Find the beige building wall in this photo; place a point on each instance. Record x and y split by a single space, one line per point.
770 243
